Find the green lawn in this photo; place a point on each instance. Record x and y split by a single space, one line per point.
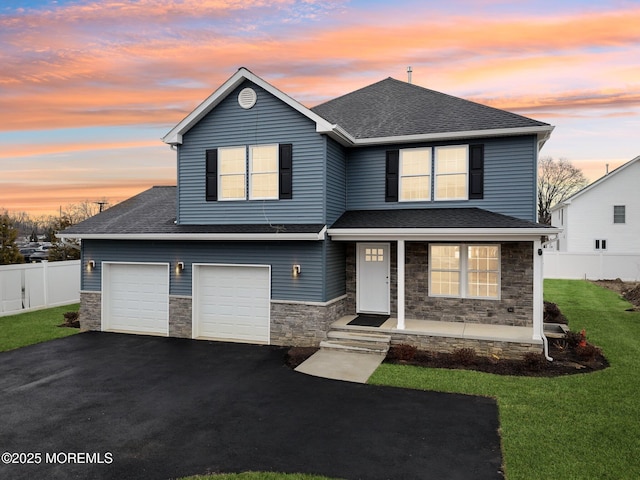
34 327
574 427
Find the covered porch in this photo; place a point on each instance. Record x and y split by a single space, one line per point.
500 316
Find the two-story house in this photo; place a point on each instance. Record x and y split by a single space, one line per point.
393 200
603 217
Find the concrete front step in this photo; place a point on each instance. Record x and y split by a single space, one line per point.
358 336
357 342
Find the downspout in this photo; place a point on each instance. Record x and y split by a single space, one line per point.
545 341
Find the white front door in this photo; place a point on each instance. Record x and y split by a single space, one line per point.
373 278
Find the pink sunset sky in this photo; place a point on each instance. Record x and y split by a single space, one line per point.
88 88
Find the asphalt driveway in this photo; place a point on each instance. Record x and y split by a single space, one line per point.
113 406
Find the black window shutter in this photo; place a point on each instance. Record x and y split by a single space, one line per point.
391 181
286 171
212 175
476 171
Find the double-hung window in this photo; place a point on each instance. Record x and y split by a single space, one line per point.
263 172
415 174
232 167
619 214
464 271
451 165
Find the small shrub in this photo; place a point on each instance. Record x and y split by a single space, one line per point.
71 319
464 356
402 352
573 338
587 352
552 314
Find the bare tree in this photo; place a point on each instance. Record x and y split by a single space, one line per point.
557 181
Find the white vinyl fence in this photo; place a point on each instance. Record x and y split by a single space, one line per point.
31 286
592 266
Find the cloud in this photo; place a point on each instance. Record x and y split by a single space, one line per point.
118 62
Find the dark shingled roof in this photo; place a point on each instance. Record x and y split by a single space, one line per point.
154 211
392 108
431 218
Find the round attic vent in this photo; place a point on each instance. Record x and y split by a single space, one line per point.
247 98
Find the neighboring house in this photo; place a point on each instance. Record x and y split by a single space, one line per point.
603 217
393 199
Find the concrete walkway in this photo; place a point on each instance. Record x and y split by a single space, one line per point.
340 365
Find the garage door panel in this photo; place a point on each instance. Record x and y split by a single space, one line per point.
137 298
232 303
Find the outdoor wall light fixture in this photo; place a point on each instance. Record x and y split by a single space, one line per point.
91 264
179 267
295 271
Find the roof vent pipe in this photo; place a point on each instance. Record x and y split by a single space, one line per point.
607 171
409 71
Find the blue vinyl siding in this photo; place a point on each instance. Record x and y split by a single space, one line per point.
269 121
336 181
509 178
280 255
335 260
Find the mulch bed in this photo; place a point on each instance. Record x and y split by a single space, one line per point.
566 361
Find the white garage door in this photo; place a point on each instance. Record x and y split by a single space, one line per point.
136 298
232 302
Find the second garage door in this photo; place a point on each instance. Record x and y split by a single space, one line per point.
232 302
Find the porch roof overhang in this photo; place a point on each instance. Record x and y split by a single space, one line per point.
435 224
438 234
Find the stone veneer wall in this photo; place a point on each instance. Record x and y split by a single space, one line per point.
303 324
90 311
292 323
180 322
483 348
516 288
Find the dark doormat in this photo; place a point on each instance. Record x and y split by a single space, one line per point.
368 320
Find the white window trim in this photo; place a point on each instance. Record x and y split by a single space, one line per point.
401 175
464 270
436 176
625 215
220 175
277 171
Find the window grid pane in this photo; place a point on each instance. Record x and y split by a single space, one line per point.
415 188
232 187
451 187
